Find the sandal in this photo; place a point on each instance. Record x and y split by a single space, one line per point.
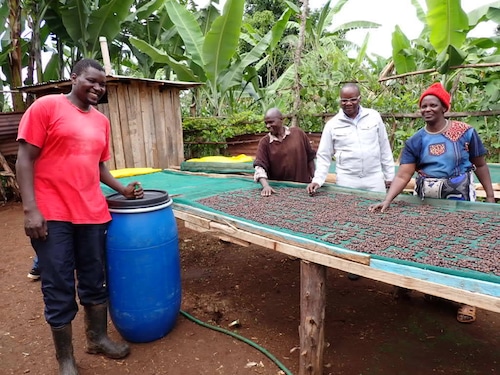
466 314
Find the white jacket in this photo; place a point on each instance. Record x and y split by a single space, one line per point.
360 148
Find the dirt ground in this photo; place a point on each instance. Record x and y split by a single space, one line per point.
367 331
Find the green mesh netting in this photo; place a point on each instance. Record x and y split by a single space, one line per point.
217 167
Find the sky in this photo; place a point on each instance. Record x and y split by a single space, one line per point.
390 13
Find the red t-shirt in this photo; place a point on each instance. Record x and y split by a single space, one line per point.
66 174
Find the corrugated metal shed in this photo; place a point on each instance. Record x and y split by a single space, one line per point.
9 123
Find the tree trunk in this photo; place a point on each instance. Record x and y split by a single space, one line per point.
312 318
297 62
15 56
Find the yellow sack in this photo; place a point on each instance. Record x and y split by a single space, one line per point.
242 158
127 172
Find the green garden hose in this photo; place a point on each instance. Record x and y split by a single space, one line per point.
241 338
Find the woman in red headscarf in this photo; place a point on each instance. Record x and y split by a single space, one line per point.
445 154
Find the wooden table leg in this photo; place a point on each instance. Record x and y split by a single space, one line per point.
312 317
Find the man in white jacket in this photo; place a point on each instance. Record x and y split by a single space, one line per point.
357 138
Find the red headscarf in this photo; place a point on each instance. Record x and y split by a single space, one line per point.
438 91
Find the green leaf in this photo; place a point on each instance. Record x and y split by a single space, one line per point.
285 80
183 72
354 25
279 27
448 24
51 71
420 11
107 21
483 13
450 57
493 14
188 29
221 42
486 43
75 18
403 61
234 74
146 9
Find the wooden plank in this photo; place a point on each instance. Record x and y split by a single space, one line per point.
116 133
244 236
473 285
148 128
123 104
196 228
169 125
134 125
160 121
222 237
312 318
191 219
104 109
225 238
169 128
175 136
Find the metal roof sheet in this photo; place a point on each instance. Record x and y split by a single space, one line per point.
60 84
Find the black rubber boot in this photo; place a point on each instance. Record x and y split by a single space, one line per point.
64 350
96 328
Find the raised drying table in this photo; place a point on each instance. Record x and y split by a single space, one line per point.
444 248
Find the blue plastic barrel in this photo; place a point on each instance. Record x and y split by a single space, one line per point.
143 266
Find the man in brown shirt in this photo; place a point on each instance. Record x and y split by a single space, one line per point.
284 154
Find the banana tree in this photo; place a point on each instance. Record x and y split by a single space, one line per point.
152 24
324 62
212 57
443 42
79 24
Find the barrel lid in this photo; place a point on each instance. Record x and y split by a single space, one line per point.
151 198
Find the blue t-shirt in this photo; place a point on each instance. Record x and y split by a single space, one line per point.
445 154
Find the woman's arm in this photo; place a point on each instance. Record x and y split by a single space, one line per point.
403 176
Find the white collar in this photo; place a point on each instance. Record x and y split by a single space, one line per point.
273 138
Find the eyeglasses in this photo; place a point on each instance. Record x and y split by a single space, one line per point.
350 100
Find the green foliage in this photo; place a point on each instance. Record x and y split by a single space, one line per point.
489 131
447 23
210 133
80 23
403 54
276 7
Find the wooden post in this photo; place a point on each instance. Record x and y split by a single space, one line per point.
312 317
105 55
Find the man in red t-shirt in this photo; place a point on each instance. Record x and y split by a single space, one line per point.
63 144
